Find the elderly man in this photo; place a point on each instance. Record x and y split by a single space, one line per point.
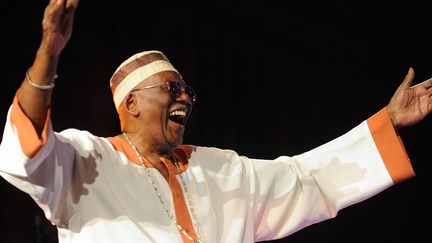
144 185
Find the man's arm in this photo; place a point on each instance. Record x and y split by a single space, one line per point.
34 94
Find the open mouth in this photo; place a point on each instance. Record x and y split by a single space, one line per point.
178 116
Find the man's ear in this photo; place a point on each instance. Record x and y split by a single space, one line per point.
130 104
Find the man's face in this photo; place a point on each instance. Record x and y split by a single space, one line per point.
163 116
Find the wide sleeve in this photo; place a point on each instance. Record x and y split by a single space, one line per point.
291 193
51 168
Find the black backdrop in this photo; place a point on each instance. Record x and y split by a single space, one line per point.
273 78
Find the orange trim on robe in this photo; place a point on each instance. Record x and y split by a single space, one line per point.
122 146
181 209
182 154
30 142
390 147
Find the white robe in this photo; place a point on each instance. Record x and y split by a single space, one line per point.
93 192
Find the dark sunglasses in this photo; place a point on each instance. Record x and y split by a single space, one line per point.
175 90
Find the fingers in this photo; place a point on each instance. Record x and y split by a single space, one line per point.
406 83
58 7
71 5
59 15
53 12
426 84
57 24
56 4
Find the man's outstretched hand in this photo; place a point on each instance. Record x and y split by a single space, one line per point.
410 104
57 25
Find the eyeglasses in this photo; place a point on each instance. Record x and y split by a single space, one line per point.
175 90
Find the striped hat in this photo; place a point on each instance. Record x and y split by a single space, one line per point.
136 69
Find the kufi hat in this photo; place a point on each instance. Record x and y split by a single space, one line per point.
136 69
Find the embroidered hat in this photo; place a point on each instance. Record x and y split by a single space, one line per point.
136 69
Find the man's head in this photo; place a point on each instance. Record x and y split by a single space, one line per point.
152 99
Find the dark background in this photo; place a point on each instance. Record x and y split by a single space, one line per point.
273 78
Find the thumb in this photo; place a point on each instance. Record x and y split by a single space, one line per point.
409 77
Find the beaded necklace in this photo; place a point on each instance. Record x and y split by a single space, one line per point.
162 201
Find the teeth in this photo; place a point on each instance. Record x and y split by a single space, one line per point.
178 113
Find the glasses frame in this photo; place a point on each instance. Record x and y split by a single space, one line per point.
173 91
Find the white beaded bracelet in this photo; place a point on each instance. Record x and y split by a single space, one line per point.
38 86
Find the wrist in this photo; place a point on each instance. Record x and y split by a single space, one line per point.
393 118
41 87
47 54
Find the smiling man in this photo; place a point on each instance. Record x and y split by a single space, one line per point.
153 102
145 185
